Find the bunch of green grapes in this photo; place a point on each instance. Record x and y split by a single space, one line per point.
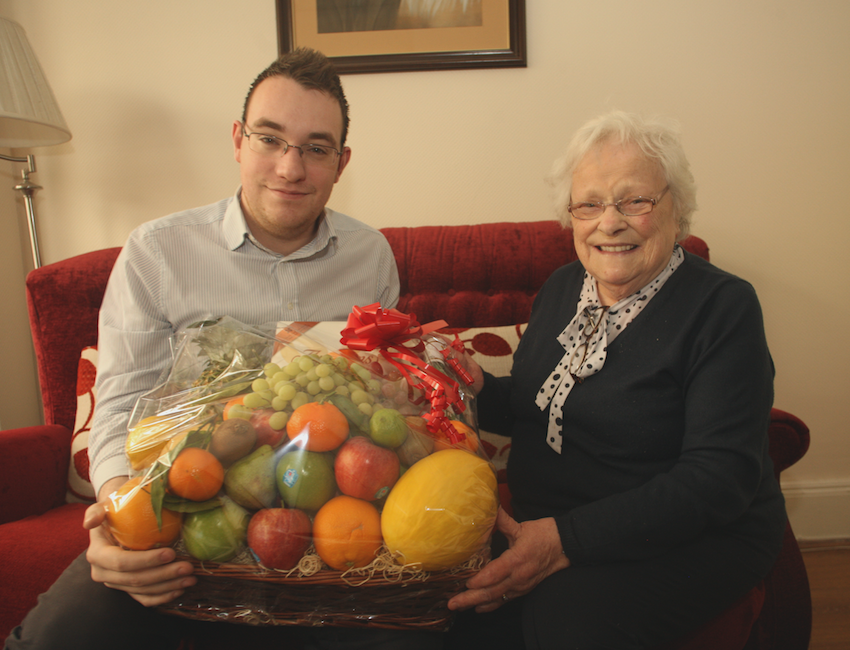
309 378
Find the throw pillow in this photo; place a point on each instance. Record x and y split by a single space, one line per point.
80 489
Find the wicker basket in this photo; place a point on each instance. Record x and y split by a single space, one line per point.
244 593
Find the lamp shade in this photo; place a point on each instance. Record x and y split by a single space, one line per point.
29 115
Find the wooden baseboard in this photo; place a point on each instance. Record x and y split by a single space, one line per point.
818 509
823 544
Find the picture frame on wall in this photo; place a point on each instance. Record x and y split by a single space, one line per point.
362 36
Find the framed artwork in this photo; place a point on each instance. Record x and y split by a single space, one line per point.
402 35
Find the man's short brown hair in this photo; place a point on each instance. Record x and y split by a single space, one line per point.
312 70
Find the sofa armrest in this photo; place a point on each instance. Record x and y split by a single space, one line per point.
33 470
789 439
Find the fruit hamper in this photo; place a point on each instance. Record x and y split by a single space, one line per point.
314 473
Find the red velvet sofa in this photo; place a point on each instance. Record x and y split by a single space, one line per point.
471 276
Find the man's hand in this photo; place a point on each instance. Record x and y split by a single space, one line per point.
151 577
535 553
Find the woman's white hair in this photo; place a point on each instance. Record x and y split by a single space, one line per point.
658 139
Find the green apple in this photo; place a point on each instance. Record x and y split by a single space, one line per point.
305 479
216 535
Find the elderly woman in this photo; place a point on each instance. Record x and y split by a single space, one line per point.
638 407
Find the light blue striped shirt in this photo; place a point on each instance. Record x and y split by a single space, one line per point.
204 263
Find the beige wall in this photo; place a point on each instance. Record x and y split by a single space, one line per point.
761 88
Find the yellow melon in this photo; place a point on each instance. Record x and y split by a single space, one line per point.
441 511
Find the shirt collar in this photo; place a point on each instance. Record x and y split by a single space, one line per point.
237 234
234 226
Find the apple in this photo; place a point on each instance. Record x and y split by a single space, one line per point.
305 479
279 537
364 470
266 433
218 534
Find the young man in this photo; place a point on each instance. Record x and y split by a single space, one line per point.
272 252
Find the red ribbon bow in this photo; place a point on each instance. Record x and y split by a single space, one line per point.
372 327
392 332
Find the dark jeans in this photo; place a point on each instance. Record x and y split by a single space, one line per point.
77 613
622 606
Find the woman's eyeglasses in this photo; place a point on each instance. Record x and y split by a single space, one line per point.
631 206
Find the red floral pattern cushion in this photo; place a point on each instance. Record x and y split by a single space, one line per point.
80 488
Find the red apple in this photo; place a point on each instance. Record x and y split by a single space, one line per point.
364 470
279 537
266 435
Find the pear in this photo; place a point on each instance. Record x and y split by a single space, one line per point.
250 481
415 447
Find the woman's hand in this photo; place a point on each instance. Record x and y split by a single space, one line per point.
472 367
535 552
151 577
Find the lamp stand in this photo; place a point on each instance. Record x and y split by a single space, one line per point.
28 190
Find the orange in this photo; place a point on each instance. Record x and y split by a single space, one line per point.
317 426
195 474
470 442
132 522
347 533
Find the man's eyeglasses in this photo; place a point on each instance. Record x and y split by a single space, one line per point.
631 206
270 145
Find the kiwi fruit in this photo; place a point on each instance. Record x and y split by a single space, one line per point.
233 439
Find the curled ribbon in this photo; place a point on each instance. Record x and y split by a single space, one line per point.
398 336
462 372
